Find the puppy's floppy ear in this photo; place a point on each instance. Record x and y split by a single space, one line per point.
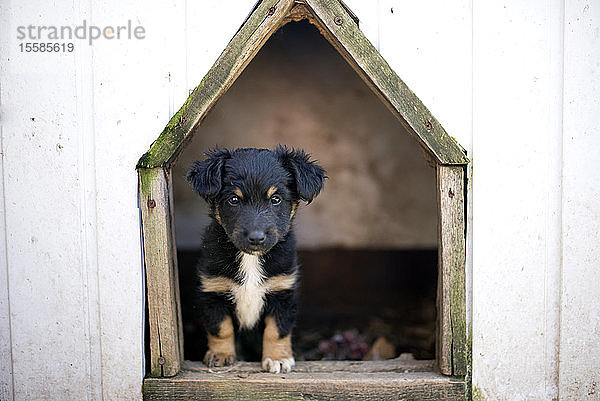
205 175
308 176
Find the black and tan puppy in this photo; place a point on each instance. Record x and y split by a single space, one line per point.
248 271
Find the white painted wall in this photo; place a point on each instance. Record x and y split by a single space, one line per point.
517 83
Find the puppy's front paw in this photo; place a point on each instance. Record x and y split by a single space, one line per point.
217 359
283 365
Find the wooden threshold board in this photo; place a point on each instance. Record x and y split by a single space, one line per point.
394 379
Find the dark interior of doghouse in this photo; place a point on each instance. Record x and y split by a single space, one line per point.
368 242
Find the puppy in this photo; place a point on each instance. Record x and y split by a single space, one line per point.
248 272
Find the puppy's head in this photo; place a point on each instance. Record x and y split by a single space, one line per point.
254 193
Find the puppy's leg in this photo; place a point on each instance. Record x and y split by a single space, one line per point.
221 344
213 309
277 343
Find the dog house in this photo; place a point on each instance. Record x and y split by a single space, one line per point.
169 375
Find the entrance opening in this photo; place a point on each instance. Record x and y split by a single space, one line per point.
368 242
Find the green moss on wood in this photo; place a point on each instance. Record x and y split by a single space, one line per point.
146 177
459 324
172 135
478 394
469 375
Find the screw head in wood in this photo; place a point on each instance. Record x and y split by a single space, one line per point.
161 360
428 126
271 11
151 203
338 20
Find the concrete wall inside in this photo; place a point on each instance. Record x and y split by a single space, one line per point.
300 92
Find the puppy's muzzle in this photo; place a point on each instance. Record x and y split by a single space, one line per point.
255 240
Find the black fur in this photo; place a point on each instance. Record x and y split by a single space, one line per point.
205 176
252 223
308 177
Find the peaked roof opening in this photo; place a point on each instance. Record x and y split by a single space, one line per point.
339 27
299 91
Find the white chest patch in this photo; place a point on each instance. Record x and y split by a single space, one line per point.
250 295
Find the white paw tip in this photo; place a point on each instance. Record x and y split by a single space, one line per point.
283 365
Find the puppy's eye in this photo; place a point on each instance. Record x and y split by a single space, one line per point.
275 200
233 201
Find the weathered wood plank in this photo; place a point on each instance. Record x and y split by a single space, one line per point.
257 29
175 266
452 329
161 279
306 382
391 365
348 39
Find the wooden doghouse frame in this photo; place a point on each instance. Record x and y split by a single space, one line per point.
170 376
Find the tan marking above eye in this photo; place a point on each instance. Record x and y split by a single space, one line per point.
294 207
271 191
238 192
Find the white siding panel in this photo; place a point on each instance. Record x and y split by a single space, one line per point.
88 225
6 381
6 376
514 140
428 43
580 316
50 353
209 27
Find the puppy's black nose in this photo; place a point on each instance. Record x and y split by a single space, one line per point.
256 237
